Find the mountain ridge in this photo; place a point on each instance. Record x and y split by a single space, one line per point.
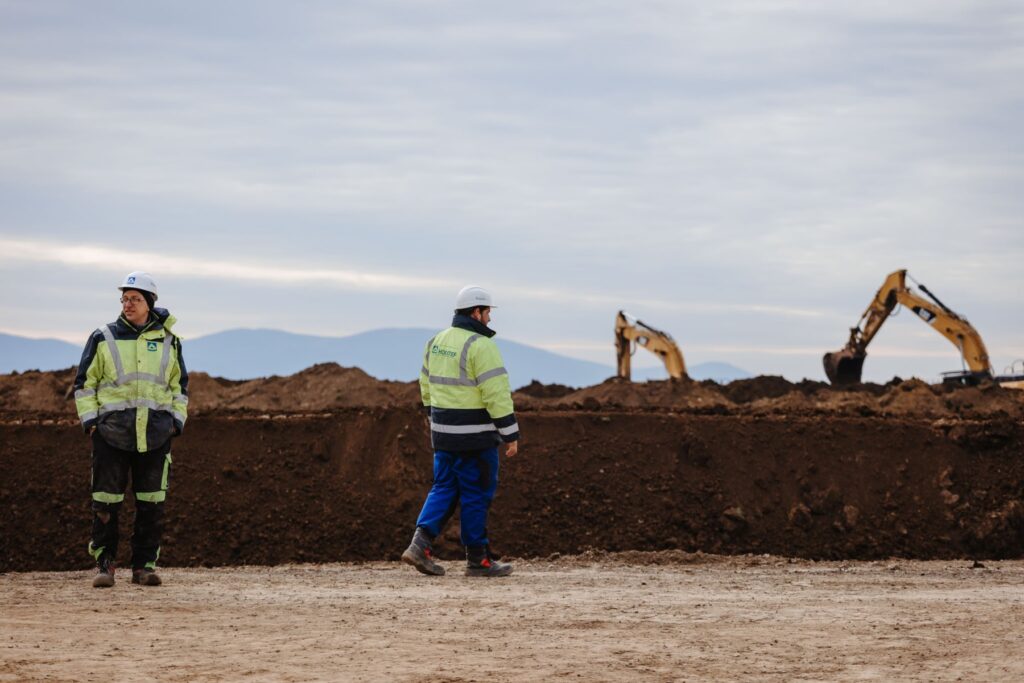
385 353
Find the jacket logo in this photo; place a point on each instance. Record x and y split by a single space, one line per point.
437 350
151 346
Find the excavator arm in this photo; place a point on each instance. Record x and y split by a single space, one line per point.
844 366
630 331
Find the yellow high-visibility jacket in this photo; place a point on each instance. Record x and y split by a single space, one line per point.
132 384
466 389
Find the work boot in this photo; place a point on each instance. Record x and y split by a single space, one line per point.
146 577
419 556
480 562
104 573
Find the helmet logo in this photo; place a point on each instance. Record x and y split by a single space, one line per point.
131 280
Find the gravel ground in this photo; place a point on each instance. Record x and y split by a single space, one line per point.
596 617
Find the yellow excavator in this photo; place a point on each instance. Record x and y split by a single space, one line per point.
630 333
844 366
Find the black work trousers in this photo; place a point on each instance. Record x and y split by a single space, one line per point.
150 477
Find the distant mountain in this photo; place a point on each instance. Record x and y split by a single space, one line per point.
386 354
21 353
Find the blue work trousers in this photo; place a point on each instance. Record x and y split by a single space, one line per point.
469 480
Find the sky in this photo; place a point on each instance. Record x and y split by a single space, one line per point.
742 174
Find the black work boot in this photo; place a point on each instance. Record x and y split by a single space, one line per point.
418 554
146 577
480 562
104 573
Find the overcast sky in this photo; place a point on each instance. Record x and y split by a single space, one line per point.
743 174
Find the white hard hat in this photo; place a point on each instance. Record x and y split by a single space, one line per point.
140 281
472 296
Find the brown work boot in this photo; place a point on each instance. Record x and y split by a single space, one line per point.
419 556
146 577
104 573
480 562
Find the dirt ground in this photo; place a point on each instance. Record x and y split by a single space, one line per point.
666 616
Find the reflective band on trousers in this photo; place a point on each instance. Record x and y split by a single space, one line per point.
473 429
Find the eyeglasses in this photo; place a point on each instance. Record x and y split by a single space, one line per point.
134 300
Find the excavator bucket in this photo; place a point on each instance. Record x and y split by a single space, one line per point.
844 367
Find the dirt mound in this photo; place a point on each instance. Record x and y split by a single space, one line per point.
537 390
329 387
33 392
616 393
321 387
326 386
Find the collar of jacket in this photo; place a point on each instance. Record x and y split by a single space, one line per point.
472 324
159 319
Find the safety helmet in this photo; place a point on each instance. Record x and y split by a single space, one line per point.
472 296
140 281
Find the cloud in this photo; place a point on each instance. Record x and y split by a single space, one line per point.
110 259
105 258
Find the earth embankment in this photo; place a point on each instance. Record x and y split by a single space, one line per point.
347 485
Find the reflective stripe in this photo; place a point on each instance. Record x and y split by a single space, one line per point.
180 398
156 379
167 470
85 393
91 415
452 381
463 374
424 371
181 418
505 431
132 377
153 497
491 373
461 429
134 403
426 355
96 552
101 497
465 381
166 357
114 353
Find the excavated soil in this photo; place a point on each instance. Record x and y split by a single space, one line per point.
332 465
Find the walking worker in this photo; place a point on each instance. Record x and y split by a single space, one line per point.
131 393
465 389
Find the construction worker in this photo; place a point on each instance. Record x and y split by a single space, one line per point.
131 393
465 389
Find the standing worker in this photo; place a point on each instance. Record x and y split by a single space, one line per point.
131 393
466 392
